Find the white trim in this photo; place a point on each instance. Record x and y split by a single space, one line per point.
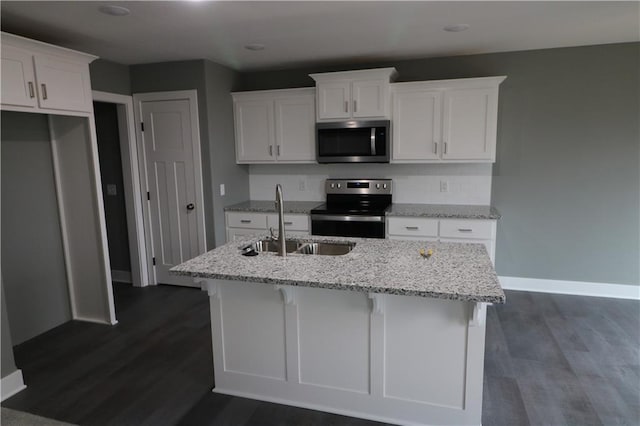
121 276
62 217
11 384
577 288
132 186
192 97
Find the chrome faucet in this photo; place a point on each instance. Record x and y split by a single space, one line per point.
280 207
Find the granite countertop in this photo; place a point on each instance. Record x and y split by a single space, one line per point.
441 211
455 271
444 211
260 206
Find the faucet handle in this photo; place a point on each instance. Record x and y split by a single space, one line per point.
272 234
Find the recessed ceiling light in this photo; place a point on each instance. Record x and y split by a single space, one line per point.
456 28
114 10
254 46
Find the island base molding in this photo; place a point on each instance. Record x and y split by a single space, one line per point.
399 359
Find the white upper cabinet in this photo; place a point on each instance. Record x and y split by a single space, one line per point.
18 78
353 94
445 121
43 78
275 126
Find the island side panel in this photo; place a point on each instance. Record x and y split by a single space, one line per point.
397 359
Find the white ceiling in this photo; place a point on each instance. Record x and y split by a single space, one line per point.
314 33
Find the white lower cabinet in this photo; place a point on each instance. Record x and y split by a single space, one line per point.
444 230
248 223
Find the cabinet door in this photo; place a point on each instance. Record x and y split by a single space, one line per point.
62 84
295 129
333 100
416 125
370 98
255 138
18 78
469 123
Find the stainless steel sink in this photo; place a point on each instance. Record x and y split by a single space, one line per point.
326 249
272 246
300 247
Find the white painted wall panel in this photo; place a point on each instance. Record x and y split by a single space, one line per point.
334 338
253 330
426 346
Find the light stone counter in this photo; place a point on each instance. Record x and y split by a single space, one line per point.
443 211
455 271
261 206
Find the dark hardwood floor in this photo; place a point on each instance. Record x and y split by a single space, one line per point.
550 360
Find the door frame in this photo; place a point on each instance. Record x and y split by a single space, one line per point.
192 97
132 185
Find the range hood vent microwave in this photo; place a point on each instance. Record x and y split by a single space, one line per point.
353 142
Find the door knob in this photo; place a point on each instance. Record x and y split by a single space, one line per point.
190 206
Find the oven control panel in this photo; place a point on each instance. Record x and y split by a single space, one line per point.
358 186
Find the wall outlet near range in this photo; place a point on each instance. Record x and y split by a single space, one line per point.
301 185
444 186
222 191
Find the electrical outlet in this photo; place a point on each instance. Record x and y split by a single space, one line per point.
222 191
444 186
112 189
302 185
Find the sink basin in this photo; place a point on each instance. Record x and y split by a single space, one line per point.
272 246
326 249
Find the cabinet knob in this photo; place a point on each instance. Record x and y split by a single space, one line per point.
270 150
32 92
346 106
44 91
190 206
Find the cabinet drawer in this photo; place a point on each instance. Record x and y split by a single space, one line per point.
247 220
454 228
413 226
293 222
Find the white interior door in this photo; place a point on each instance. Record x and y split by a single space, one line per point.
169 135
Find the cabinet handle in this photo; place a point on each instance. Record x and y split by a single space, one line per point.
465 230
278 150
412 228
270 150
435 149
445 147
245 220
32 92
288 223
355 105
44 91
346 106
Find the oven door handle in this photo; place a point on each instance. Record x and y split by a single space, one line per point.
346 218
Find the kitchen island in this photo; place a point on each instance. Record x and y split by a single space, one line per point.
381 332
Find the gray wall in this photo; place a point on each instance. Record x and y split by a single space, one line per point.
106 117
7 363
33 272
212 82
220 82
567 173
107 76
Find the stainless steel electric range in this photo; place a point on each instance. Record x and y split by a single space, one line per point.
354 208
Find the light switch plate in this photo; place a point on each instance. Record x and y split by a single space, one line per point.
222 190
112 189
444 186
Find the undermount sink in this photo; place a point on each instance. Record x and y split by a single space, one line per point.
326 249
272 246
294 246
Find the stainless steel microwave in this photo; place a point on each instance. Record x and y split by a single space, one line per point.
353 142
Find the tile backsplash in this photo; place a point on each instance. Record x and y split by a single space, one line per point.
413 183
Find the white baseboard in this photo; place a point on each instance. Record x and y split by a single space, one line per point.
121 276
577 288
12 384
